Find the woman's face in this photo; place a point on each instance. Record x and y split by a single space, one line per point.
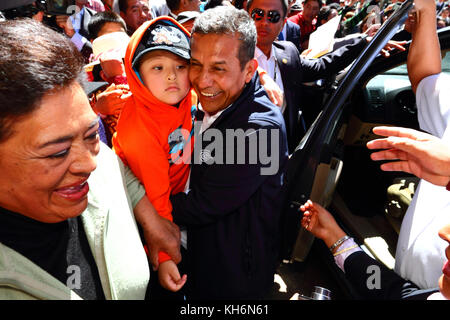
45 163
444 280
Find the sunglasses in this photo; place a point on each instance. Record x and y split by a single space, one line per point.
272 15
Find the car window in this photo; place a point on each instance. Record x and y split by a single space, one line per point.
402 70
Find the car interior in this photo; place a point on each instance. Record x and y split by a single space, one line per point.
367 202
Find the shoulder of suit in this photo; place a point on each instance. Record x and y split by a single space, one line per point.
285 45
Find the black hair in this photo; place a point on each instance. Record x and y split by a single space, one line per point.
173 4
34 61
284 6
231 21
99 19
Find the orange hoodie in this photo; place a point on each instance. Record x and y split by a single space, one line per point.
151 135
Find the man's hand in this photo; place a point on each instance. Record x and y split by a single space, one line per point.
419 153
273 90
391 45
373 29
160 234
64 23
317 220
112 65
112 100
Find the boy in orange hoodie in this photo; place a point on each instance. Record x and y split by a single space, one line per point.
155 127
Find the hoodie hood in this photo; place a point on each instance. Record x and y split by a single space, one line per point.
140 92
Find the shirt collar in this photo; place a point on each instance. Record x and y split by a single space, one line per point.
259 54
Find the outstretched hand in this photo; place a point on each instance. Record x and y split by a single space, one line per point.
415 152
317 220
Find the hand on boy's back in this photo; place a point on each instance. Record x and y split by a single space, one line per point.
112 100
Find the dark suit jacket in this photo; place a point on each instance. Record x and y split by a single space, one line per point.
296 70
293 33
84 31
232 211
390 287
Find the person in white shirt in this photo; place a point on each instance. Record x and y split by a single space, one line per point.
420 252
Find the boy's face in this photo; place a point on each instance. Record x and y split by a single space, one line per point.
165 75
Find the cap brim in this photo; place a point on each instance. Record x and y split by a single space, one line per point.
10 4
179 52
93 86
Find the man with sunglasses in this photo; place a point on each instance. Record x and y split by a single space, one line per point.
282 61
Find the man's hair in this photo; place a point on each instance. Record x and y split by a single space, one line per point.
34 60
319 2
284 6
230 21
173 4
123 5
99 19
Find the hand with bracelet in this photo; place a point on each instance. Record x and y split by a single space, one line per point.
317 220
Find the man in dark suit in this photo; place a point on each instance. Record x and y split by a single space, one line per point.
370 278
76 28
290 32
282 61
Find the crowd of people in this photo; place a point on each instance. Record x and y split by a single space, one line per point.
137 131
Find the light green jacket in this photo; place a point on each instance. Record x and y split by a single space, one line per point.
112 234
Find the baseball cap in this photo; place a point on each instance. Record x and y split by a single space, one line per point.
10 4
110 44
185 16
163 35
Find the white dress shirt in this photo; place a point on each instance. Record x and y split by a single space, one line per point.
420 252
270 65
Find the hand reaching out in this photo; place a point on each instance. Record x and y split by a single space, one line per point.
415 152
320 223
273 90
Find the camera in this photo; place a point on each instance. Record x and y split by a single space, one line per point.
12 9
57 7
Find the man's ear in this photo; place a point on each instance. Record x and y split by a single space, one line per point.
250 69
103 76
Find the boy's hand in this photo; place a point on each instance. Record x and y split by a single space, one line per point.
169 276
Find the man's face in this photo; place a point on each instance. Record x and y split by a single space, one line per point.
215 70
136 14
267 31
310 10
193 5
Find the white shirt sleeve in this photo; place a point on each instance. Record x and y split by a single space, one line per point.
78 40
433 103
340 258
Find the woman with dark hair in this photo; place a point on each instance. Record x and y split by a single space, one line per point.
66 226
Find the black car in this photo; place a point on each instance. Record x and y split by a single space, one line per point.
332 165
